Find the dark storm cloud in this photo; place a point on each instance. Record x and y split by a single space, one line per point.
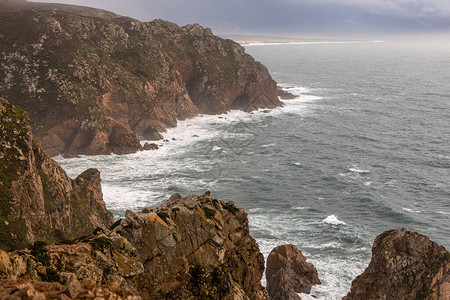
292 17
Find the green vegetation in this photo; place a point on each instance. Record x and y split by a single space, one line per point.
209 213
163 215
213 286
100 244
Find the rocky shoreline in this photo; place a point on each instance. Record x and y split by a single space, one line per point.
95 83
194 247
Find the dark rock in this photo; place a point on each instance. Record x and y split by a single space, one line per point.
266 111
174 139
404 265
288 273
195 135
150 146
284 95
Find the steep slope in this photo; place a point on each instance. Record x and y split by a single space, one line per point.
196 247
38 201
404 265
98 85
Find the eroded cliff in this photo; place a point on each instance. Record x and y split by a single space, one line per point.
196 247
404 265
97 85
38 201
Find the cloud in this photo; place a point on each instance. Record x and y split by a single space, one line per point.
291 17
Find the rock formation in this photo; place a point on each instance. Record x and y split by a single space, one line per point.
196 247
96 85
38 201
404 265
288 273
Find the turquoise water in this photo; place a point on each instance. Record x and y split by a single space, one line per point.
364 149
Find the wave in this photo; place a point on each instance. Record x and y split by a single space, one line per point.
410 210
357 170
333 220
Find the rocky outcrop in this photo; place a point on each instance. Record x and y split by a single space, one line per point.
99 85
38 201
285 95
196 247
404 265
288 273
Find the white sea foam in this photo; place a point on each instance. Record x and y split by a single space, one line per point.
268 145
410 210
358 170
333 220
443 213
368 183
216 148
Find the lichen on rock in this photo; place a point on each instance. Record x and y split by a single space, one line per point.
38 201
175 251
404 265
96 85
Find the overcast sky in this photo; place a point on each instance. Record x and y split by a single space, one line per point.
301 18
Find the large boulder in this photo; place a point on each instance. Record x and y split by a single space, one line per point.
38 201
99 85
405 265
288 273
196 247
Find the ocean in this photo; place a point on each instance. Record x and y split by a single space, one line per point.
365 148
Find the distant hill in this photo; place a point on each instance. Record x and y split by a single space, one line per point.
74 9
97 85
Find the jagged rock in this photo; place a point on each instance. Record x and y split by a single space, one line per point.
404 265
99 85
284 94
38 201
195 247
150 146
288 273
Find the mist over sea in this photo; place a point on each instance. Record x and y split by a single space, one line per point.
364 149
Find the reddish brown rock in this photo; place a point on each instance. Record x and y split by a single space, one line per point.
405 265
150 146
288 273
285 95
196 247
99 85
38 201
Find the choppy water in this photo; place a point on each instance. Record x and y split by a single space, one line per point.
364 149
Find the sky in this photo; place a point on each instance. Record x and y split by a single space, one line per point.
293 18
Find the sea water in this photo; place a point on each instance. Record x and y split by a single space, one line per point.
365 148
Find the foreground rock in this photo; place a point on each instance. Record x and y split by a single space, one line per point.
196 247
99 85
404 265
38 201
288 273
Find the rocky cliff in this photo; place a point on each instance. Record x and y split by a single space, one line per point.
405 265
96 85
38 201
288 273
196 247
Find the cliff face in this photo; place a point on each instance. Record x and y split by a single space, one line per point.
196 247
38 201
404 265
98 85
